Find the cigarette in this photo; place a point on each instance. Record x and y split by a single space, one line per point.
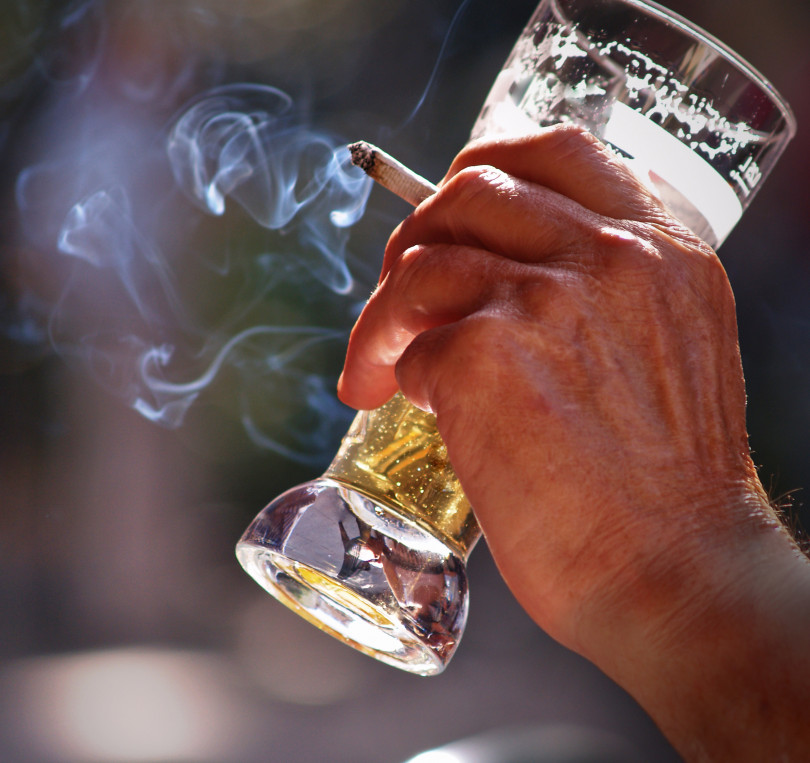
391 174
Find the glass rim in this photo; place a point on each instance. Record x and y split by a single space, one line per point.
652 8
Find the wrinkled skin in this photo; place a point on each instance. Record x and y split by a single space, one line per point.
579 349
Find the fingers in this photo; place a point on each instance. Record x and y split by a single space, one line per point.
486 208
457 365
558 200
428 287
571 161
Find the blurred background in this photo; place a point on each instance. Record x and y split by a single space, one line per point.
168 355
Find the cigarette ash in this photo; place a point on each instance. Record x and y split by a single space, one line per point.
363 156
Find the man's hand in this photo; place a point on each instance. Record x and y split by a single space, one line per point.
579 349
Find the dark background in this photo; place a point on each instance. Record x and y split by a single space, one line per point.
127 630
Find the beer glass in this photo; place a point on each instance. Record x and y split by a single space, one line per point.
374 551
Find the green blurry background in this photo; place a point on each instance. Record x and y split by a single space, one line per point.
127 630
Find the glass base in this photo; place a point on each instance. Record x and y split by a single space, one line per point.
360 572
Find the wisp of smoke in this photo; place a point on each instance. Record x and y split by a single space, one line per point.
128 273
241 142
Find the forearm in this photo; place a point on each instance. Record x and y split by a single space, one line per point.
700 611
728 678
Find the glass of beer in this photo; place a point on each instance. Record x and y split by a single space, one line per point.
374 551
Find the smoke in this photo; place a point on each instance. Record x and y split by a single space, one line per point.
440 58
186 253
241 142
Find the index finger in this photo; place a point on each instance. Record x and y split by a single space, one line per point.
566 164
568 159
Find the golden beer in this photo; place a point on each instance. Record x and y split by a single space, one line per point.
395 454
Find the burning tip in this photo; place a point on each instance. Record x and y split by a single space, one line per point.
363 155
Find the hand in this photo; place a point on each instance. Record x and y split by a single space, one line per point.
579 349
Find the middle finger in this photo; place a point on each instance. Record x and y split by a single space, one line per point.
414 298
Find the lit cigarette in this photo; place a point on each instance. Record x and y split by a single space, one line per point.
391 174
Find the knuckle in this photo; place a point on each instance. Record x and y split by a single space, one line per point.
477 337
457 349
408 278
459 359
402 268
621 247
619 240
414 270
558 299
477 183
570 138
532 297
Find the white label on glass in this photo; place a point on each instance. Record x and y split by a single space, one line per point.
657 150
